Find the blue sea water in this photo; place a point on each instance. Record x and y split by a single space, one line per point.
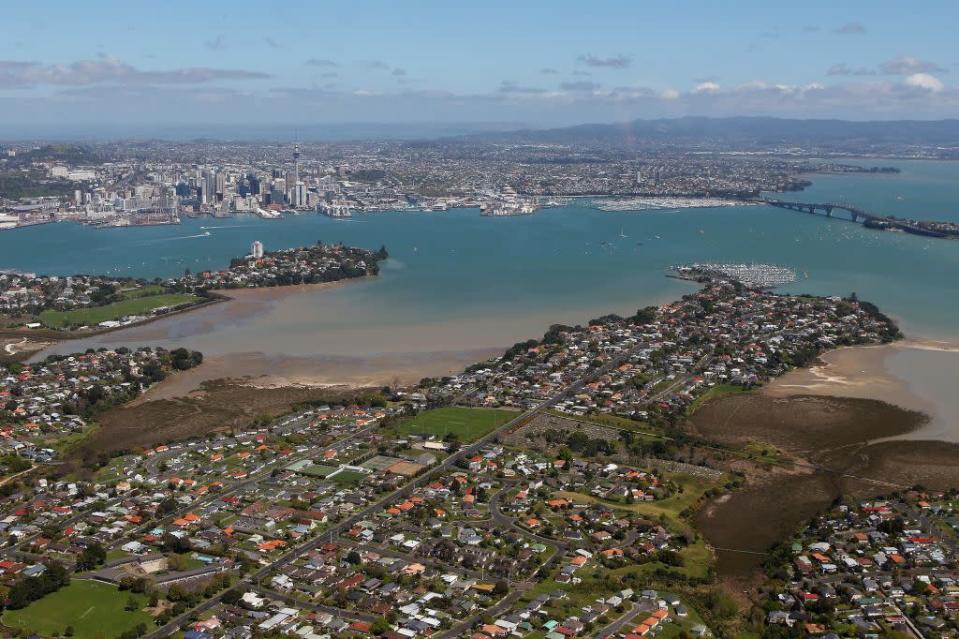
505 279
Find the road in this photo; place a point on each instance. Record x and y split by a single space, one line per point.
256 476
614 628
293 601
404 491
506 603
154 462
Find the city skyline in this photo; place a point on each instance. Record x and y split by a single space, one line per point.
530 65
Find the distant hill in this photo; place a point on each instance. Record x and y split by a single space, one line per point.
742 132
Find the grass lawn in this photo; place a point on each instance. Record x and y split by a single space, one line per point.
132 305
348 478
613 421
696 557
317 470
113 471
671 507
718 390
468 424
116 553
142 291
94 610
64 445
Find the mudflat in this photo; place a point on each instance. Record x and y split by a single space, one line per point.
915 374
801 423
833 442
216 406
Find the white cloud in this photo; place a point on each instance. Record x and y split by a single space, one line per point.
925 81
851 28
320 62
908 65
618 61
18 74
706 87
844 69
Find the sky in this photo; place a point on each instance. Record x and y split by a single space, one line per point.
100 64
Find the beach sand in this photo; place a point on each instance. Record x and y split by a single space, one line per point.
918 375
277 371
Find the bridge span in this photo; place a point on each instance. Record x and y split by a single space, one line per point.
870 220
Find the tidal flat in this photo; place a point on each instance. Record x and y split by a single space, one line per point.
841 447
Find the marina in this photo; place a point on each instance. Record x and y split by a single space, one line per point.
647 203
762 276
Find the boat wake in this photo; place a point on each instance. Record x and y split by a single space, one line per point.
190 237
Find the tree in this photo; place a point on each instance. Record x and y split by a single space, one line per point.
30 589
380 627
176 562
91 557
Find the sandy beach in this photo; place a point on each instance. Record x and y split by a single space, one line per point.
277 371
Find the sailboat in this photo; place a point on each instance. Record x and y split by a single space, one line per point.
621 234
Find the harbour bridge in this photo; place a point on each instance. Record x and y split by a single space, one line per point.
826 208
858 215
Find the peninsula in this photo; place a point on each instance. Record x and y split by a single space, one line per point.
568 443
81 304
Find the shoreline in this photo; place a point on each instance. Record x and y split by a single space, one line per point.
909 374
266 294
316 371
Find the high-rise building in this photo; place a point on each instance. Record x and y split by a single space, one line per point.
209 187
220 184
278 192
256 249
299 195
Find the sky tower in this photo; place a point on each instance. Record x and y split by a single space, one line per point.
296 164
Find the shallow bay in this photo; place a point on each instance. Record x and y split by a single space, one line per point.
458 284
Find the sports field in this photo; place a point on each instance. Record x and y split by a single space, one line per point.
94 610
131 306
467 424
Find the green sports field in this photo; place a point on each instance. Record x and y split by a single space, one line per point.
468 424
94 610
134 305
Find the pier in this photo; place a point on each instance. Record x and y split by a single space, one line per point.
869 220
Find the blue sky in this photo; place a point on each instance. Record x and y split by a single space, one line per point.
532 62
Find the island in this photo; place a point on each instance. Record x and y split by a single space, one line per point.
88 303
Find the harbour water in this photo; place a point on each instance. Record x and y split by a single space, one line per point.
458 282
